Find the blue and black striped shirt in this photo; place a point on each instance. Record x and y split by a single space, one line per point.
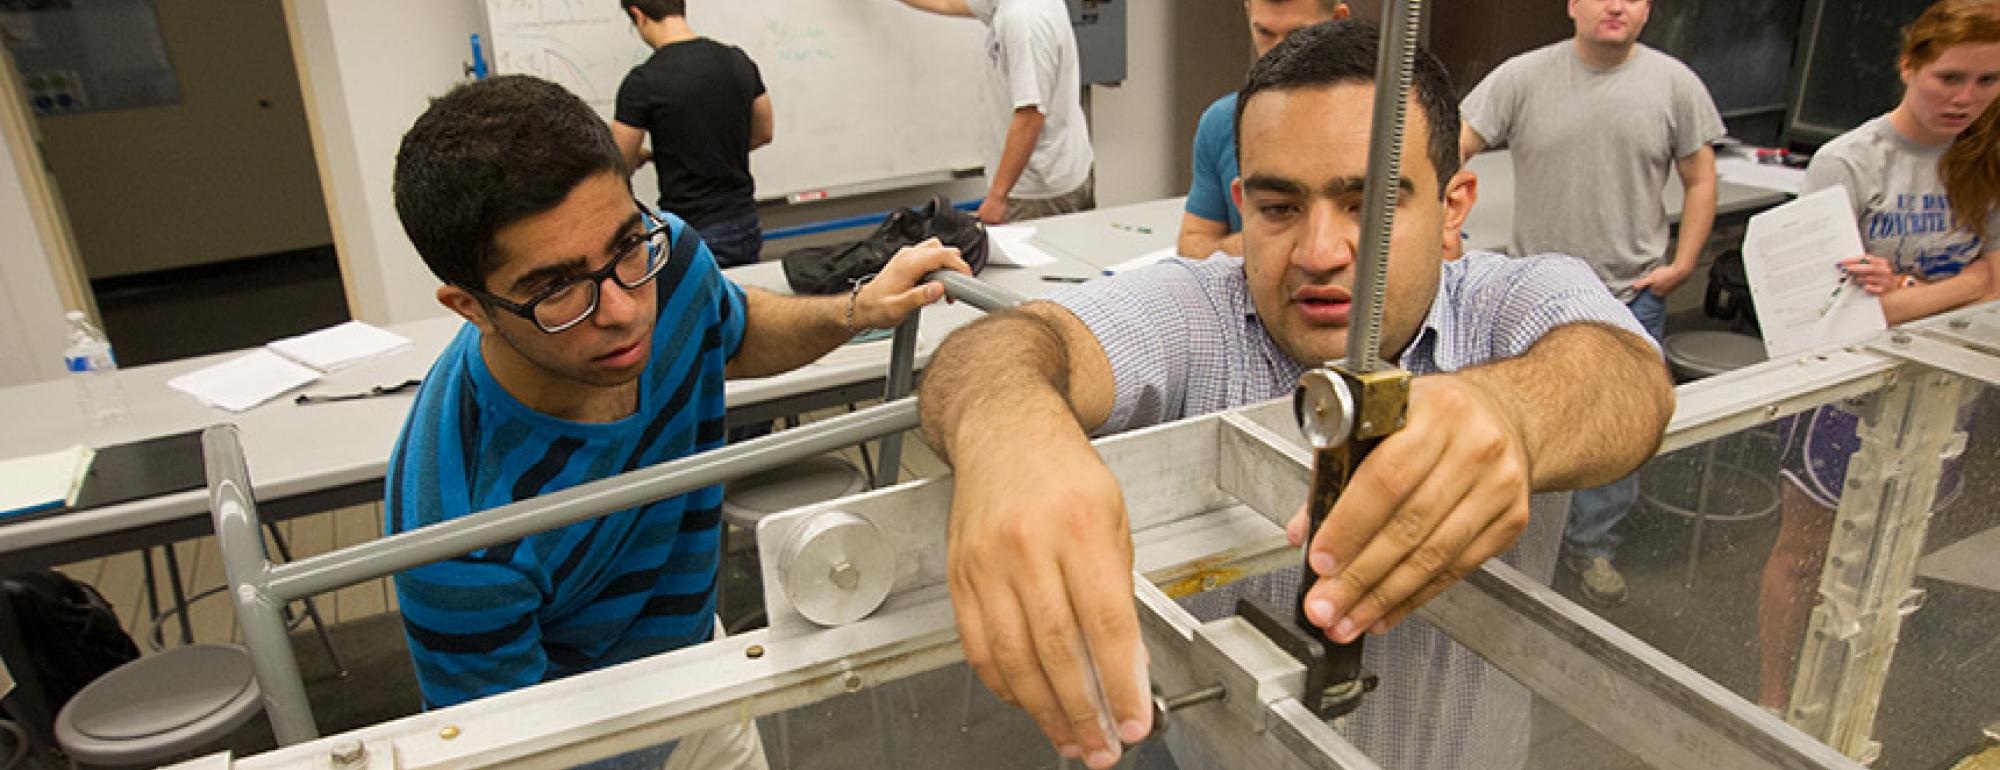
596 593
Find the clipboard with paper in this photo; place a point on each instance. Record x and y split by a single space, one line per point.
1804 300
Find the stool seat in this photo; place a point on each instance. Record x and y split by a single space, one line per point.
748 500
160 706
1694 355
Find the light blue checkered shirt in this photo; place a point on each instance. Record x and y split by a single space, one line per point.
1184 339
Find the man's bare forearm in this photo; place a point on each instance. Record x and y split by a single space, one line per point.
1011 365
782 333
1590 401
1697 221
1022 133
1018 378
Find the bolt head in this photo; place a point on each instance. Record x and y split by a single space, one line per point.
1208 582
845 576
754 651
851 682
349 754
449 732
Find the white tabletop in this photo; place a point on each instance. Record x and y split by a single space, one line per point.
295 451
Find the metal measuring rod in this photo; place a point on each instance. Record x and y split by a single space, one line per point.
1348 406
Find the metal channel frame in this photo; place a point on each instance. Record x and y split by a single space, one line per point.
1193 531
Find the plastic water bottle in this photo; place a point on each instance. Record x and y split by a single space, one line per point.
90 363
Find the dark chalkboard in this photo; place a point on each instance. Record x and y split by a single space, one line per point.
1846 69
1743 51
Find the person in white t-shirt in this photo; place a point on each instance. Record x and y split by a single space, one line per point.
1038 159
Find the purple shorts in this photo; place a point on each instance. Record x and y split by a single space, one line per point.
1818 444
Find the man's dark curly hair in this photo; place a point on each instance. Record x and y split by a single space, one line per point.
488 154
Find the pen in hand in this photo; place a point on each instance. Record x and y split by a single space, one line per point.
1845 279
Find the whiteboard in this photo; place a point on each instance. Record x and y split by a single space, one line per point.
863 91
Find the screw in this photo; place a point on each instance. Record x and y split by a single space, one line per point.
349 754
1208 582
1194 697
1770 410
851 682
754 651
449 732
844 575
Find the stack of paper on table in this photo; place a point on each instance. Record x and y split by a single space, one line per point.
1014 245
44 481
337 347
253 378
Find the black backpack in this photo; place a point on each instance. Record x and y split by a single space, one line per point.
834 268
1728 297
72 633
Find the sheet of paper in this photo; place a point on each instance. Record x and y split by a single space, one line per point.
339 346
1792 254
42 481
1753 174
1014 245
244 381
1148 258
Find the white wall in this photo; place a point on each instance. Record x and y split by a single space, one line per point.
369 68
1180 55
31 323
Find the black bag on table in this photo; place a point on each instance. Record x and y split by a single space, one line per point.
833 269
72 634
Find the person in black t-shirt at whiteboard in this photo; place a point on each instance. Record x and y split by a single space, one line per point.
704 104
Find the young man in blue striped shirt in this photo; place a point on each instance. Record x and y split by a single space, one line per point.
598 335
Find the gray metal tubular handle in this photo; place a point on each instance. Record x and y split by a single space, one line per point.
515 521
975 292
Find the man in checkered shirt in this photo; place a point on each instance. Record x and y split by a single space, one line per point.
1525 370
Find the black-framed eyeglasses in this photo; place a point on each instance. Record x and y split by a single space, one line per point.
570 302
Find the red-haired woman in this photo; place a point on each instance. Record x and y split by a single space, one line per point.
1924 181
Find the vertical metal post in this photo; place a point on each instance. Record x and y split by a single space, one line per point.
248 567
902 368
1867 585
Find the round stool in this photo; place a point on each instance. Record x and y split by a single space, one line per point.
1692 356
160 706
748 500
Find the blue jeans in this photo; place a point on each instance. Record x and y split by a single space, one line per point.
737 240
1594 513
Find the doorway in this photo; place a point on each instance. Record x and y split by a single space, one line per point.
198 218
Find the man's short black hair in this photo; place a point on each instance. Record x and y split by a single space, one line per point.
488 154
1341 52
657 9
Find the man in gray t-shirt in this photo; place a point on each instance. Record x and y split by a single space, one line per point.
1516 361
1594 124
